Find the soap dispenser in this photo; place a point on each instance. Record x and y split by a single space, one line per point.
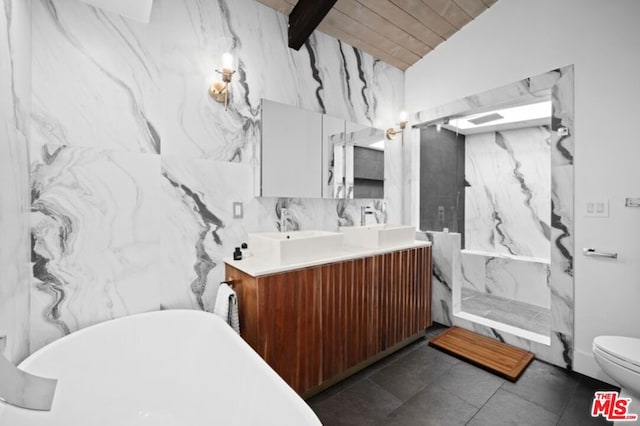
237 254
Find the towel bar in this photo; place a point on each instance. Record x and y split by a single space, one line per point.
230 283
593 252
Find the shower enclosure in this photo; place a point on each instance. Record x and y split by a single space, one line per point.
442 197
513 277
488 178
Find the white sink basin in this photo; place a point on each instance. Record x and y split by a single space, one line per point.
378 236
285 248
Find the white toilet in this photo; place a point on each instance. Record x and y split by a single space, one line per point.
619 358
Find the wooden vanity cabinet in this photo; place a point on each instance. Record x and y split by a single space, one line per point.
317 325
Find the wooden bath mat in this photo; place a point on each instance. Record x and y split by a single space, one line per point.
504 360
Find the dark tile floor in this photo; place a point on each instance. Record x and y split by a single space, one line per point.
420 385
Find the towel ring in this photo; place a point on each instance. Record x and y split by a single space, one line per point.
230 283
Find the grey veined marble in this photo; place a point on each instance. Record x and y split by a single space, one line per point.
508 200
96 233
524 280
15 73
135 169
447 273
509 214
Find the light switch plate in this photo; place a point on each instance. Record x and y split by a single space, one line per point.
237 210
597 208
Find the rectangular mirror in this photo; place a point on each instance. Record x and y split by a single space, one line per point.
310 155
358 157
291 151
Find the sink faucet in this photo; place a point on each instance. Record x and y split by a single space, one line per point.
23 389
284 216
364 211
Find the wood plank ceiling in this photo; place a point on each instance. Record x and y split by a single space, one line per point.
399 32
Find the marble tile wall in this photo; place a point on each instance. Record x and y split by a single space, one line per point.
446 273
135 169
509 194
561 283
15 80
516 279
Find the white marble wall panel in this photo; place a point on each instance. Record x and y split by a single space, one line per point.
562 215
15 82
474 271
534 165
394 179
508 201
486 162
325 76
96 238
15 65
96 78
196 33
522 280
518 280
445 251
309 213
533 89
110 90
14 244
479 225
200 229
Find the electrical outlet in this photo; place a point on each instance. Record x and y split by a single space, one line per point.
237 210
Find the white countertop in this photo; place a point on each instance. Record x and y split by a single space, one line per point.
256 266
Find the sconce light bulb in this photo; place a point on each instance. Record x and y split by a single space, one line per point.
227 61
403 116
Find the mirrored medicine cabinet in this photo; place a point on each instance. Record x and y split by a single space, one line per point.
306 154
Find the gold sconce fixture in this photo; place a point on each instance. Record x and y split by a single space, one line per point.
219 90
392 131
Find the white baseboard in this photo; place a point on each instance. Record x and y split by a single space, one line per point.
584 363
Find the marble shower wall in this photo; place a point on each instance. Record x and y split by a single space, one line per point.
15 80
508 200
561 284
507 277
447 273
135 168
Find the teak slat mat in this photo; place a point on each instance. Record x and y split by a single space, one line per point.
504 360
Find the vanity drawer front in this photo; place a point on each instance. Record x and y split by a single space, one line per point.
349 314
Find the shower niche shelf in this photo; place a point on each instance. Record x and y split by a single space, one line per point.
521 319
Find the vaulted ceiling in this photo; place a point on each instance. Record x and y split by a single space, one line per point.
399 32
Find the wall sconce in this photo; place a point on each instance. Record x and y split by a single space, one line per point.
219 90
392 132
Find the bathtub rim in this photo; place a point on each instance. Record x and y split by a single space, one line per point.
296 403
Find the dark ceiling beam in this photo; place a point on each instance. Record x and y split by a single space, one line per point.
304 18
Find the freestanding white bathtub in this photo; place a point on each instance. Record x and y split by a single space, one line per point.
174 367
